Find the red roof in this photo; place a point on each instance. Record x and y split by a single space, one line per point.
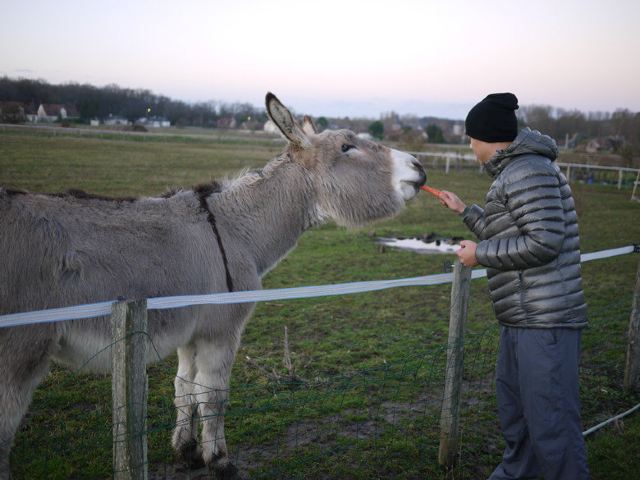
52 109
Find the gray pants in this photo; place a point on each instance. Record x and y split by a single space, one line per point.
539 406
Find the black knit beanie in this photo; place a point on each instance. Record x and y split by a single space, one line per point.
493 119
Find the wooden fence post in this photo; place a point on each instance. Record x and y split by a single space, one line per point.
620 179
632 368
129 389
449 415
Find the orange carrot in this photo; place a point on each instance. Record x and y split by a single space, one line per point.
433 191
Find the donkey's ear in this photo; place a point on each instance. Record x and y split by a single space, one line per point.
308 126
283 119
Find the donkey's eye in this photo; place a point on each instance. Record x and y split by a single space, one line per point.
346 147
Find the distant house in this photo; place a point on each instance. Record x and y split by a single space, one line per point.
31 113
154 122
72 112
226 122
250 124
365 136
457 129
112 120
94 122
51 112
593 146
270 127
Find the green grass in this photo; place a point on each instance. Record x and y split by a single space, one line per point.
121 167
371 364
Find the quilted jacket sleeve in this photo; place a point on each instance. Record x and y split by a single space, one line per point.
473 218
532 198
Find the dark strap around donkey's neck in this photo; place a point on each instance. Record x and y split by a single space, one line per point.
203 194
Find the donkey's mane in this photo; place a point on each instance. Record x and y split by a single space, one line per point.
201 189
246 176
250 176
71 193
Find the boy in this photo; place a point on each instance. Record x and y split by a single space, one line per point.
529 242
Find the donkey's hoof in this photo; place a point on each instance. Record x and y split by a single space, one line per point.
226 471
191 454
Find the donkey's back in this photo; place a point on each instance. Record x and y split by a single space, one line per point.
61 250
71 249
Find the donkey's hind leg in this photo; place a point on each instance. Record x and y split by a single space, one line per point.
23 367
185 433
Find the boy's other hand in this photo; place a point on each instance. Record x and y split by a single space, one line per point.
467 253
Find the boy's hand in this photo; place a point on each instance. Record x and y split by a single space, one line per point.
467 253
451 201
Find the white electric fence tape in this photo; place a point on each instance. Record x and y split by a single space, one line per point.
104 308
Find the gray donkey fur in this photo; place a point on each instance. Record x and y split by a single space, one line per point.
67 249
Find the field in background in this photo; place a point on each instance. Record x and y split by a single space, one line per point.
390 335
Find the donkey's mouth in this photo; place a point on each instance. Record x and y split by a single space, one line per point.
410 189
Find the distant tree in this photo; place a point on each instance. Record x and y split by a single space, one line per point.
626 151
619 129
11 112
434 132
540 117
623 123
568 123
26 91
635 140
323 123
376 129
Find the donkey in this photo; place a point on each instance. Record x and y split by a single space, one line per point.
74 248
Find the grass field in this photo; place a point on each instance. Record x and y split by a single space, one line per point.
369 367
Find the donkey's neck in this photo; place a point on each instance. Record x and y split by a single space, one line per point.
266 212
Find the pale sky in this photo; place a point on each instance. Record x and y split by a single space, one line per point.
336 57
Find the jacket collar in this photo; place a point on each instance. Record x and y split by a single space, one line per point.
529 142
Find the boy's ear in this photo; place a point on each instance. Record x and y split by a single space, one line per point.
282 118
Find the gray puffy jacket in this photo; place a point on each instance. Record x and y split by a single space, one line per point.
529 240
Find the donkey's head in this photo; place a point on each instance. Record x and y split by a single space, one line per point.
354 180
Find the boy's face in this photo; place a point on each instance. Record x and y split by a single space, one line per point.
482 150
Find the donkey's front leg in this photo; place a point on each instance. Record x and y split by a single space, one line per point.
214 360
185 434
